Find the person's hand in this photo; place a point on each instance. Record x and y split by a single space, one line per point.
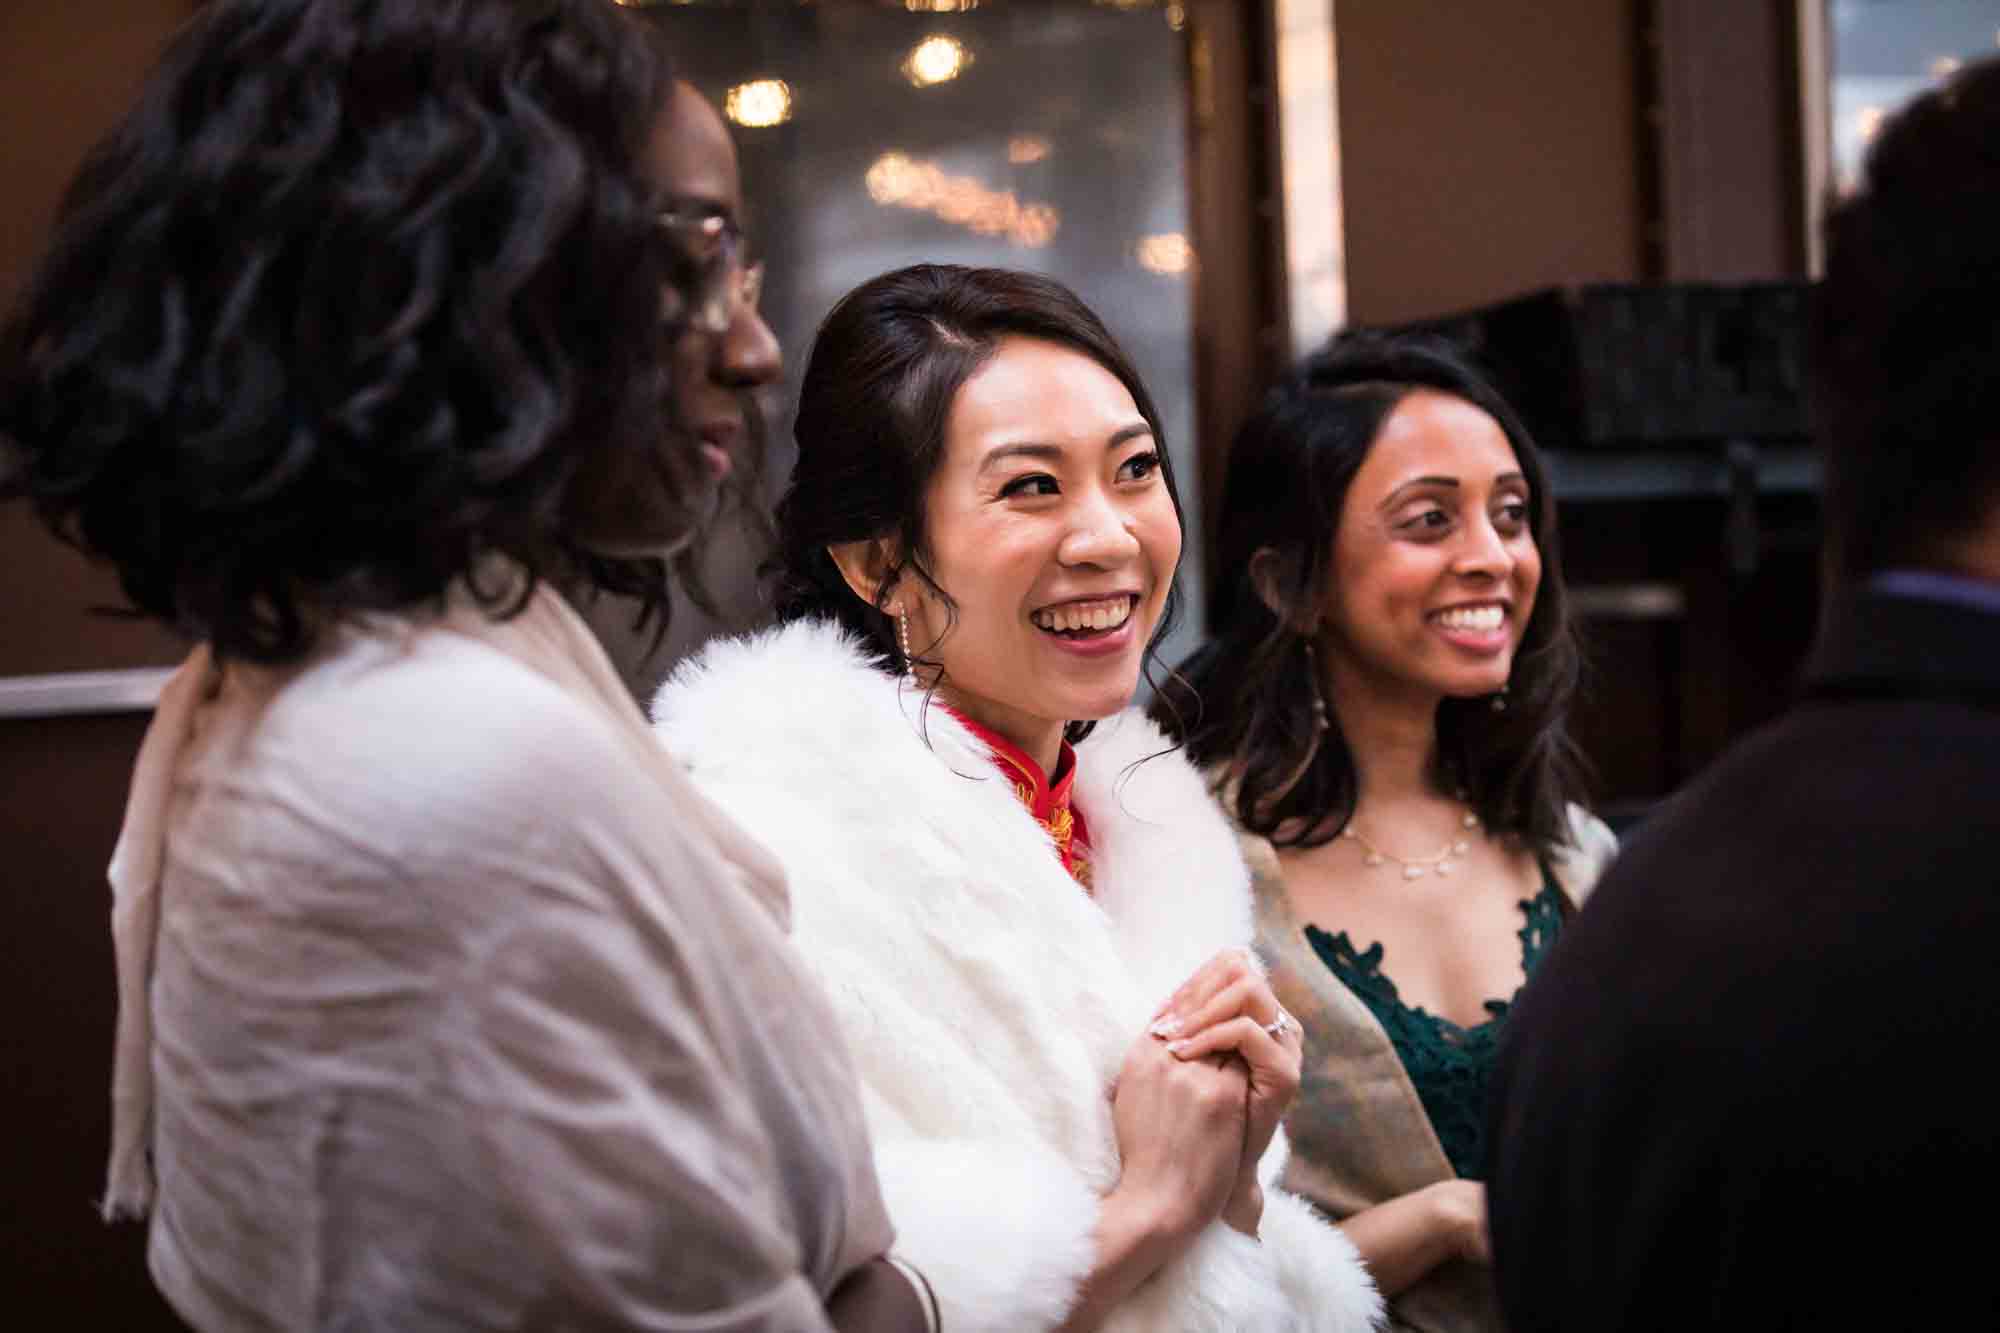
1180 1143
1228 1006
1460 1209
1180 1126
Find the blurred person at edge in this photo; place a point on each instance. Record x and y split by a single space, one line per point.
1006 879
1750 1089
717 384
445 1001
1384 712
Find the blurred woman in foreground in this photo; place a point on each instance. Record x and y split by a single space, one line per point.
444 999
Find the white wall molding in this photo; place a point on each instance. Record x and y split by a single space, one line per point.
70 693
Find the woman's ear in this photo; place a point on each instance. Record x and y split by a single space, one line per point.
866 565
1268 577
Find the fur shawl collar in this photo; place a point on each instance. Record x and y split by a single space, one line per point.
987 1000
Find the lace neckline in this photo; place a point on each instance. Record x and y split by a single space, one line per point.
1448 1065
1541 920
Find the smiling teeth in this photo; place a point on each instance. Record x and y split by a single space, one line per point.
1475 618
1102 615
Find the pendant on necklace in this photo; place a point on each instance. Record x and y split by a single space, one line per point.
1441 864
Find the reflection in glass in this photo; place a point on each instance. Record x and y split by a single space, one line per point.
1169 253
897 180
1024 150
759 104
936 60
1885 52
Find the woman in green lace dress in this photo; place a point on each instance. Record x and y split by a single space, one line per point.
1384 713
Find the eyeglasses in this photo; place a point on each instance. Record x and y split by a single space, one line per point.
725 287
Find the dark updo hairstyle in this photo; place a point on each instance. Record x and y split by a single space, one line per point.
341 306
885 368
1906 334
1248 697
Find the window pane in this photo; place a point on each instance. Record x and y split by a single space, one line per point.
1887 51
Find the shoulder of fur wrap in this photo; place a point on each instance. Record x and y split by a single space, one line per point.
807 684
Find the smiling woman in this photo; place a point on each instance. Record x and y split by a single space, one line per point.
1052 500
1384 714
1034 927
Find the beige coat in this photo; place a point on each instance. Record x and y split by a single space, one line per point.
447 1003
1359 1132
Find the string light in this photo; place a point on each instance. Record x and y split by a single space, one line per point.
899 181
936 60
1027 149
1167 254
759 104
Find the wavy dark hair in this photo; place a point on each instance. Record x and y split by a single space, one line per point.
1906 344
887 363
343 305
1250 691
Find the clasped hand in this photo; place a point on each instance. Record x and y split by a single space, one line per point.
1202 1094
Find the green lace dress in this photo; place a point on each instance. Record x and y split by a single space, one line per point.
1448 1065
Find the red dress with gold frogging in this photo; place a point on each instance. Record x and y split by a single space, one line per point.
1047 798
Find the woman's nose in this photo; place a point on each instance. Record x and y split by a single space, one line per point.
1484 551
1100 533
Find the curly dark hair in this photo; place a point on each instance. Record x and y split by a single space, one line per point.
1250 692
887 363
1906 344
341 307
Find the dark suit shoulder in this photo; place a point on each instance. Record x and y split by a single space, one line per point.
1766 1036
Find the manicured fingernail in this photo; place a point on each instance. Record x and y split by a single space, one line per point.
1166 1027
1176 1047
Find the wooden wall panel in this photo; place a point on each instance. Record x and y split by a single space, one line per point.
62 787
68 69
1487 149
1730 145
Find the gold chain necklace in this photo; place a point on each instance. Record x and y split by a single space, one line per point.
1440 862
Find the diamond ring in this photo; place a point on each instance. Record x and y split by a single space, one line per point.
1282 1024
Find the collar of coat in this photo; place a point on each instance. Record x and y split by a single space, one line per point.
1873 643
822 753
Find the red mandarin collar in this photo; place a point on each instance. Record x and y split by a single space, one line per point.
1047 800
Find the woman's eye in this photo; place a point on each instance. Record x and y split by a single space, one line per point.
1429 521
1035 483
1514 514
1140 466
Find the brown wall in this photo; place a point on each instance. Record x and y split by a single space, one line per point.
1729 143
68 68
62 784
1487 149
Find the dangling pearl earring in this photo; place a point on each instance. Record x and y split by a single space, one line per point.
1320 722
1500 700
903 637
